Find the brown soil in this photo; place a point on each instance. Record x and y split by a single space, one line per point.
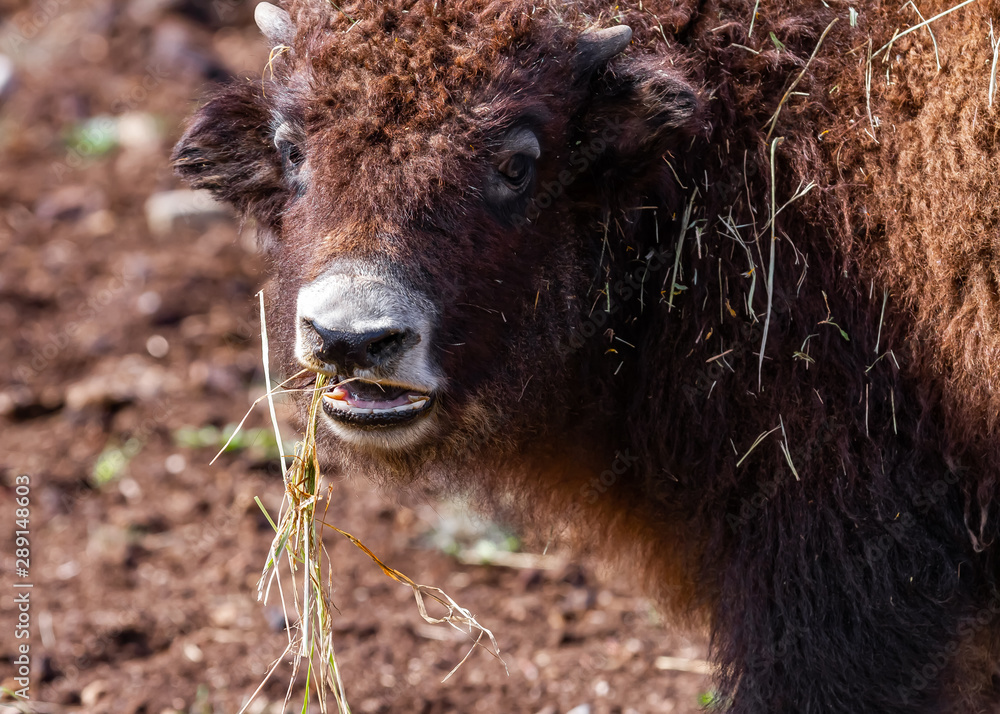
144 561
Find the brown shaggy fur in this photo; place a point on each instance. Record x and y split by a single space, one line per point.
599 381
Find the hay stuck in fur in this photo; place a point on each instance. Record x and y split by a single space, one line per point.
298 534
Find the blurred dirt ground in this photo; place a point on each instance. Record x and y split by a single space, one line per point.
128 342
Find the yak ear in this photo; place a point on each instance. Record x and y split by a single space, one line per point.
229 150
641 109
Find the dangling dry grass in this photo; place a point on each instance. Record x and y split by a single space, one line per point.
309 582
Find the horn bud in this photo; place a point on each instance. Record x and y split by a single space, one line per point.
275 23
595 47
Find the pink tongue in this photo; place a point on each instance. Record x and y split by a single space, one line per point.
344 394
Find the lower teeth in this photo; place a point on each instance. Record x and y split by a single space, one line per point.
343 405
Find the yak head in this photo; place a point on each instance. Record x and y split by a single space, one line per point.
434 183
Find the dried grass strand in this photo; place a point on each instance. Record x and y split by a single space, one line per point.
995 43
770 272
773 121
937 55
908 30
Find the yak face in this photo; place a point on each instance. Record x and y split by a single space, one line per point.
373 333
431 178
371 323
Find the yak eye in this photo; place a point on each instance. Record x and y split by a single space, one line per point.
291 153
508 184
288 142
517 158
517 169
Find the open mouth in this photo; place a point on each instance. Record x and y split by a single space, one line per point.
373 405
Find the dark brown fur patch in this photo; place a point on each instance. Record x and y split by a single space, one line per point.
599 381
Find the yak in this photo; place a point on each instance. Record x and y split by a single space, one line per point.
712 287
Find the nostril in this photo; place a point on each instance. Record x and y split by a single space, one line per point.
384 347
352 350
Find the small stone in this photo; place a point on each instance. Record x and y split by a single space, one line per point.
68 570
99 223
93 693
130 489
138 131
7 404
157 346
6 76
149 302
130 379
70 203
193 652
224 615
165 209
